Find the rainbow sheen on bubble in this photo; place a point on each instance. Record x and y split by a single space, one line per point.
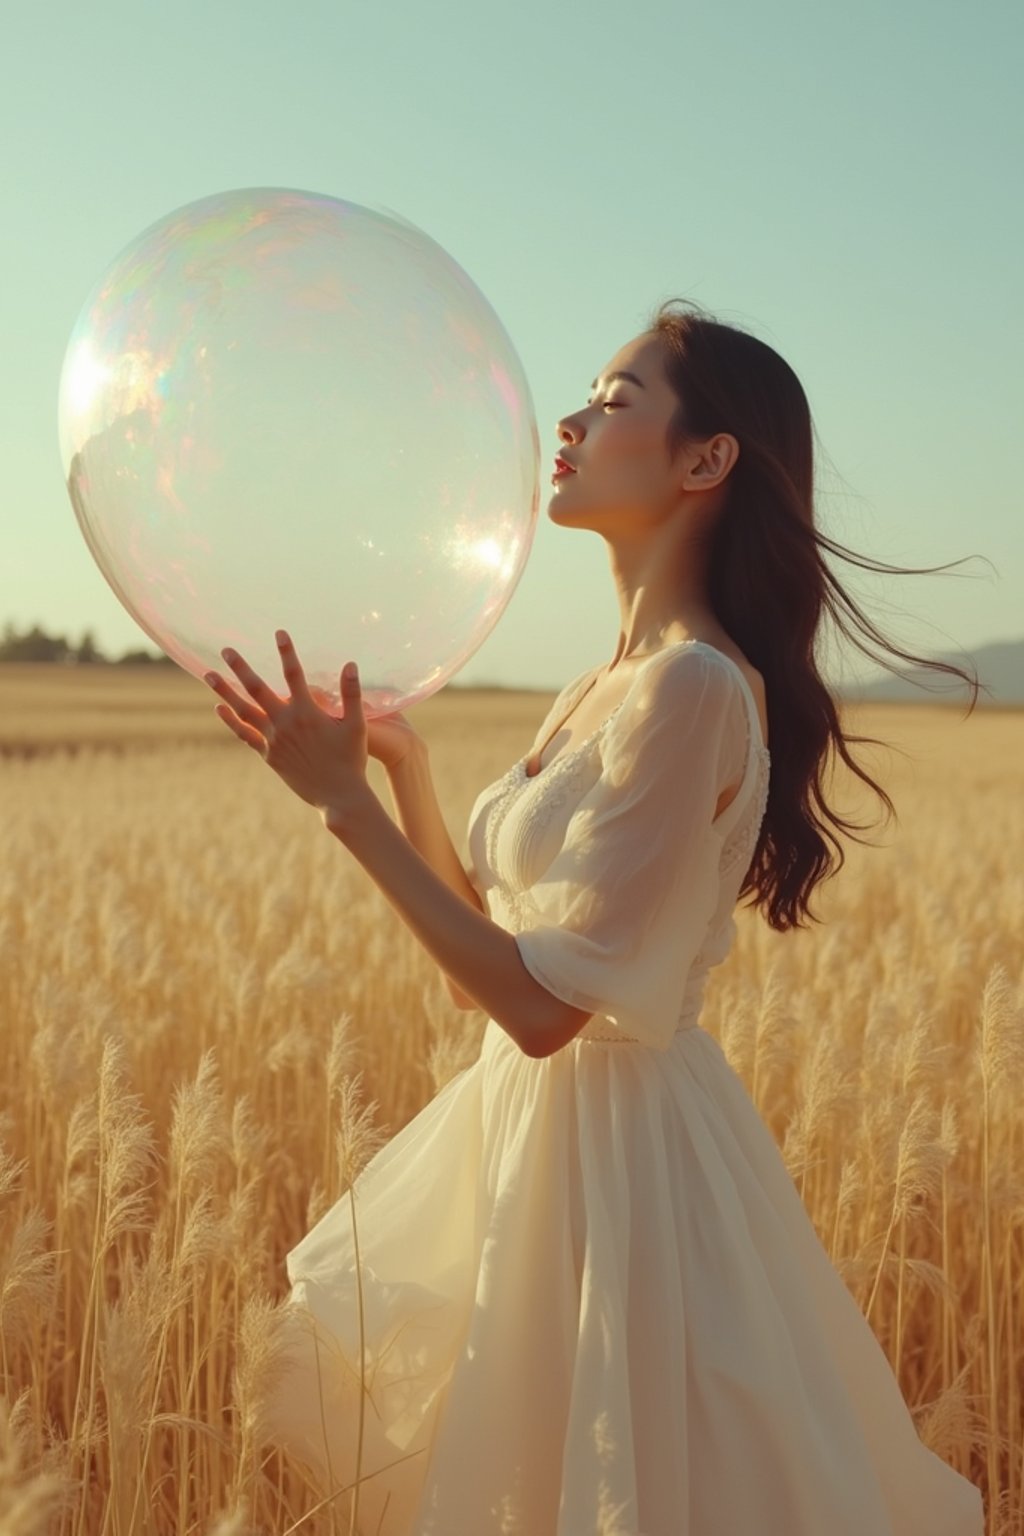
283 410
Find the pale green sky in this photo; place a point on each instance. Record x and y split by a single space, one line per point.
842 180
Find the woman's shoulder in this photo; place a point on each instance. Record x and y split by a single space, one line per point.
685 697
686 668
701 664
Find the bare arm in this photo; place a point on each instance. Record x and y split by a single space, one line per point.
480 956
419 816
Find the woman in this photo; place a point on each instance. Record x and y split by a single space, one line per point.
590 1298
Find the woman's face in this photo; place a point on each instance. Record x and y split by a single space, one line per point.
616 445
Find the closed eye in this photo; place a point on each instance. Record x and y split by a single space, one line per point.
608 403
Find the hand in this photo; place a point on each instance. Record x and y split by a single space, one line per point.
391 739
321 758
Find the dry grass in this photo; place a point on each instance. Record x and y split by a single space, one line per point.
211 1017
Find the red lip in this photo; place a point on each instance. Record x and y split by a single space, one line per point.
563 464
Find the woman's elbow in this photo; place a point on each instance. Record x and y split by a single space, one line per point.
553 1024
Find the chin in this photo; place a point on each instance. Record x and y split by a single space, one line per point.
561 514
558 504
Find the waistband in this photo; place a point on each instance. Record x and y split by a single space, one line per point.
601 1030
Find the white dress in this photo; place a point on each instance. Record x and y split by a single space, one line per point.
593 1301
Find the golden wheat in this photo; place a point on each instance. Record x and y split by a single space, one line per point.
212 1019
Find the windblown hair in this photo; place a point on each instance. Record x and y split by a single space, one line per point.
770 587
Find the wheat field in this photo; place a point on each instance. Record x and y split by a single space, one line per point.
211 1017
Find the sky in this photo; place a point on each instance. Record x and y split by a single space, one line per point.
843 181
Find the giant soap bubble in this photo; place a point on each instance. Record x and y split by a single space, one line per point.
282 410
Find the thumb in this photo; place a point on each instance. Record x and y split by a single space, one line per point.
351 692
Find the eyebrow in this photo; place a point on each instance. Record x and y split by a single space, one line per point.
621 375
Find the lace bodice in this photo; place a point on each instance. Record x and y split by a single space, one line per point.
609 865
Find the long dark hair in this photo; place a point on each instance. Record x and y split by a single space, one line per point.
769 587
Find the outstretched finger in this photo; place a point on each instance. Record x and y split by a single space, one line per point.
254 685
252 738
294 675
351 691
243 708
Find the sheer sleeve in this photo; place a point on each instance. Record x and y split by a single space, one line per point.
627 900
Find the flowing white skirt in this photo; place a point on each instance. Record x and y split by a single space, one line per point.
593 1304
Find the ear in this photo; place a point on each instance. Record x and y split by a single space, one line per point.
719 455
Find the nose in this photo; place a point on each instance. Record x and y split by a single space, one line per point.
567 433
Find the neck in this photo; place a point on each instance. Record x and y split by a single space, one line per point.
662 599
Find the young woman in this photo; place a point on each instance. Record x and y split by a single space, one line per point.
589 1296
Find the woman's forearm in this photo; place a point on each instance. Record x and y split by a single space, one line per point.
478 954
419 816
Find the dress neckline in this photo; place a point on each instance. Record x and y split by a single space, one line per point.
578 748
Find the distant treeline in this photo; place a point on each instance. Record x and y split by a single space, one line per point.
36 645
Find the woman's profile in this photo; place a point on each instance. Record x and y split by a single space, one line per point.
584 1295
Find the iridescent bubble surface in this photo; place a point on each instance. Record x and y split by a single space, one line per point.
283 410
